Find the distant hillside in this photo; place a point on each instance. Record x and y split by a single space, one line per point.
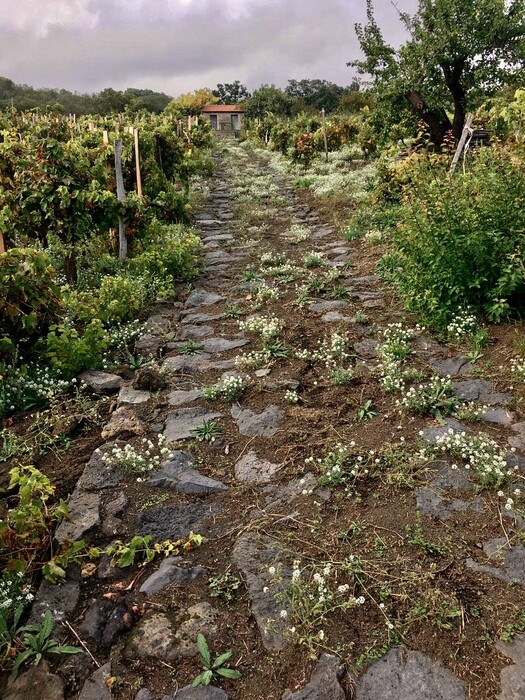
107 101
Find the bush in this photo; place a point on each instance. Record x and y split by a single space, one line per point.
72 351
29 300
461 240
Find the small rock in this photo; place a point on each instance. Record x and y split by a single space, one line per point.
97 475
456 366
208 692
84 513
264 424
174 522
179 474
50 686
431 434
325 682
60 598
499 416
144 694
129 395
262 372
112 526
480 390
192 364
153 638
322 307
95 687
148 379
179 398
201 318
252 469
408 674
105 621
194 331
202 299
170 572
118 505
148 345
198 619
180 423
374 304
101 382
513 677
366 348
512 561
123 420
332 317
218 345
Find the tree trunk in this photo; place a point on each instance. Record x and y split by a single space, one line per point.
438 122
452 77
70 268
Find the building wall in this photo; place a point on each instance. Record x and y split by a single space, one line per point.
224 120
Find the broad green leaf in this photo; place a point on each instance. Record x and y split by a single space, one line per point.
203 650
228 673
220 660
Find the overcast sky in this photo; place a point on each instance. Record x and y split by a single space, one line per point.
176 46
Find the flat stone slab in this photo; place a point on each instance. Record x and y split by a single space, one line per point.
437 505
180 475
201 298
128 395
333 317
219 256
251 469
512 561
456 366
180 423
61 599
513 676
321 307
519 440
201 318
84 511
218 237
263 424
191 364
153 638
50 686
480 390
253 554
218 345
97 475
168 573
95 687
179 398
408 674
101 382
325 682
203 692
283 494
123 420
499 416
366 348
431 434
174 522
192 330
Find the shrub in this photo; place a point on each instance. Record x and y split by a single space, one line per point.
29 300
72 351
168 250
461 240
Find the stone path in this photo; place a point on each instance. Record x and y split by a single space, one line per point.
253 462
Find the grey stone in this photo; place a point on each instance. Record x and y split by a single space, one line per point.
144 694
365 280
374 304
170 572
148 379
179 398
153 638
513 676
180 423
208 692
202 298
408 674
128 395
219 256
325 681
338 250
105 621
101 382
179 474
512 561
84 510
197 619
160 324
252 469
218 237
434 432
50 686
456 366
262 372
321 307
218 345
519 441
194 318
112 526
95 687
118 505
332 317
253 554
60 598
192 330
499 416
285 493
148 345
437 505
480 390
262 424
175 522
97 475
192 364
366 348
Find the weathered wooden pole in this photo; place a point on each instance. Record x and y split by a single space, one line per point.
121 196
137 161
461 144
324 134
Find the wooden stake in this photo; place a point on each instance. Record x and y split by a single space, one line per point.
137 161
324 134
461 144
105 137
2 243
121 196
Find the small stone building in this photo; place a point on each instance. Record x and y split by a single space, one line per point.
226 120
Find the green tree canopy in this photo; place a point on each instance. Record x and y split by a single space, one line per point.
191 103
318 93
231 93
458 53
268 99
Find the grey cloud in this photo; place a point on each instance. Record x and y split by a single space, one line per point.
165 46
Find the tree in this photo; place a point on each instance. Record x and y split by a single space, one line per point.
318 94
231 93
191 103
458 53
268 99
110 101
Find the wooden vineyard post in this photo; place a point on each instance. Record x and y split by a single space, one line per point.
2 243
137 161
324 135
461 144
121 196
105 137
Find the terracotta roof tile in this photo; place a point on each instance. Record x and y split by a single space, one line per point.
221 108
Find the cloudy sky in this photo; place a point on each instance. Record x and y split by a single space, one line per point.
179 45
